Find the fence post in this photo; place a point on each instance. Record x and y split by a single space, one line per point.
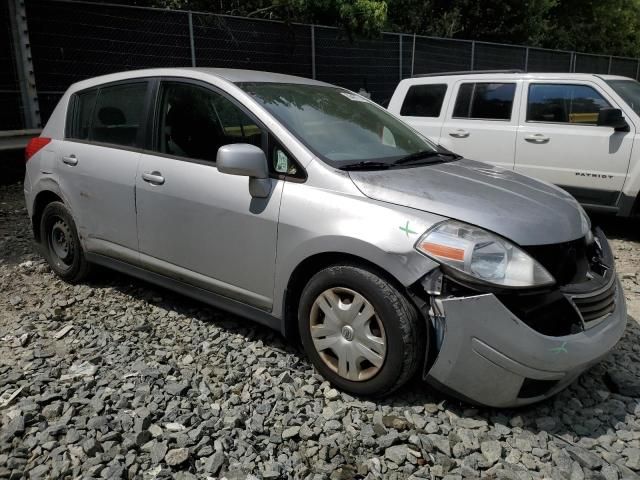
610 60
313 52
191 42
24 64
638 69
572 62
413 54
473 54
526 60
400 56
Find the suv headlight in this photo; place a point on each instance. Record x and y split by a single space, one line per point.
481 255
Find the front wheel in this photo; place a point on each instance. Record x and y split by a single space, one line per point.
61 246
359 331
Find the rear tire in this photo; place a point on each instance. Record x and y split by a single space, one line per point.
60 243
359 331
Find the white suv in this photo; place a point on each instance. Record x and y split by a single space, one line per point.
579 131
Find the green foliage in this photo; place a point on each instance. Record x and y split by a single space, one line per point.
596 26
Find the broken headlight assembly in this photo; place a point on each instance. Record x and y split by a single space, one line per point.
478 256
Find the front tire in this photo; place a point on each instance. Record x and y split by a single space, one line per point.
359 331
60 243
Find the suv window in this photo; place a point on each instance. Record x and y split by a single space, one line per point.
118 114
423 101
559 103
485 101
195 122
79 114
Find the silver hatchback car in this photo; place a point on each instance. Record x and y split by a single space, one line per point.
310 209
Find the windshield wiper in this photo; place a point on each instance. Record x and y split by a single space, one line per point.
366 165
425 154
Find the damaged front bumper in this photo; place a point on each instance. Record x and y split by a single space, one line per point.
488 354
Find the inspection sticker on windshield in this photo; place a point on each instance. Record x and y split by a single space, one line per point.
282 162
353 96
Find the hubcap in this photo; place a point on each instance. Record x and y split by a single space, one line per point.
347 334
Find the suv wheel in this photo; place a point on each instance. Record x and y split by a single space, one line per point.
60 243
359 331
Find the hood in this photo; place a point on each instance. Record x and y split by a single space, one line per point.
519 208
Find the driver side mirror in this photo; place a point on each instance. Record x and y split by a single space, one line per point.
246 160
612 117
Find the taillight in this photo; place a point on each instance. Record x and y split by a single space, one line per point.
34 146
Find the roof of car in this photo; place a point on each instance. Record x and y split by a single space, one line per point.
490 74
228 74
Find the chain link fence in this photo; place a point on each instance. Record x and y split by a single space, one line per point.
72 40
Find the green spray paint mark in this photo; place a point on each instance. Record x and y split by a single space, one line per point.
561 349
406 229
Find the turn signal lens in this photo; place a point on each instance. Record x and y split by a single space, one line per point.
443 251
34 146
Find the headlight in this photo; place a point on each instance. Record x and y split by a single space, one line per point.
483 256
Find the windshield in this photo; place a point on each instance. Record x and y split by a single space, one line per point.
629 90
337 125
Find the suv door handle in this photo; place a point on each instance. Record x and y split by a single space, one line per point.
537 138
70 160
155 178
459 133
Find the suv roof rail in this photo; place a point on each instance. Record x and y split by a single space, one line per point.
467 72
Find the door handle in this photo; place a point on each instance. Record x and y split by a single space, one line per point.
70 160
154 178
459 133
537 138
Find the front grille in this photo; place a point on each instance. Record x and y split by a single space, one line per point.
597 306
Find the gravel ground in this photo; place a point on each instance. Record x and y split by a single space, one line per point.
119 379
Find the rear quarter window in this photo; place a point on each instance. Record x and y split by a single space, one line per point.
423 101
81 107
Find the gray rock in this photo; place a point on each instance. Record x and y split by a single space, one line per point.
91 447
15 428
397 454
158 452
633 457
584 457
290 432
546 423
492 450
623 383
174 388
213 464
176 456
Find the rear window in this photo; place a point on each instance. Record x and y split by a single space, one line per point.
485 101
118 114
424 101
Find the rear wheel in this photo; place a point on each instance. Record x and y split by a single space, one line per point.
61 245
359 331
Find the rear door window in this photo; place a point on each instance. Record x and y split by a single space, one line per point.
119 114
563 103
485 101
423 101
